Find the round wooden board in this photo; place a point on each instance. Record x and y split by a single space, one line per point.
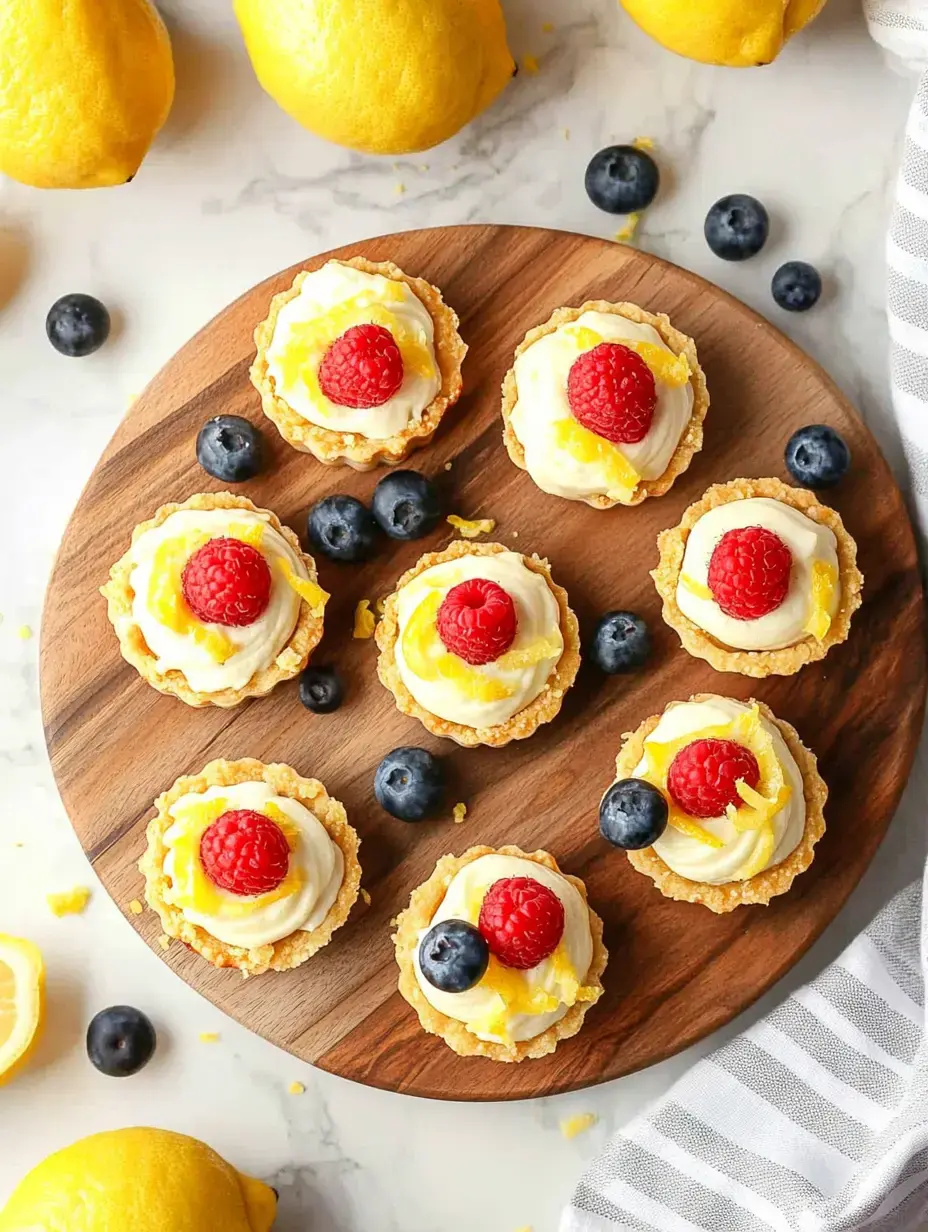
677 972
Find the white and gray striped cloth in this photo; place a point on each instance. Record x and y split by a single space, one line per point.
815 1119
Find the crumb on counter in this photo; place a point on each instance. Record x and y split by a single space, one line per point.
400 189
530 65
136 907
69 902
365 897
164 941
643 143
547 27
423 167
296 1088
579 1124
468 529
515 534
24 632
364 622
447 466
209 1037
459 812
627 233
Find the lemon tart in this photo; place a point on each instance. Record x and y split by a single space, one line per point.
604 404
357 363
500 954
215 601
478 643
251 865
758 578
740 802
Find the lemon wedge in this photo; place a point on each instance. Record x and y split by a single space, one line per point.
22 1003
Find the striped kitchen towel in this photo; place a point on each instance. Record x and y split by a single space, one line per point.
815 1119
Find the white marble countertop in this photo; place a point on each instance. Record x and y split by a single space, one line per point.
233 191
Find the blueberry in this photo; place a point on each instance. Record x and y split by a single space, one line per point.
817 456
342 528
620 643
77 325
120 1041
632 814
406 505
453 956
321 690
737 227
230 448
622 179
797 286
410 784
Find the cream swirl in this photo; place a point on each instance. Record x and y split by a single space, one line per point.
481 1003
541 374
253 646
356 297
491 694
809 542
316 862
697 861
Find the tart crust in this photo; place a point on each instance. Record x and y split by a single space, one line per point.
763 886
290 660
524 722
294 949
424 902
690 442
350 448
757 663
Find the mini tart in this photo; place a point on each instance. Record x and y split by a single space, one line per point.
119 596
525 721
760 888
299 946
757 663
417 917
350 448
690 441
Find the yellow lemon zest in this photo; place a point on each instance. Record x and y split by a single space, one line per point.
311 592
669 369
586 447
626 234
24 633
364 620
824 582
579 1124
513 994
164 941
459 812
471 529
68 902
644 143
583 336
209 1037
296 1088
251 533
530 65
427 657
136 907
166 600
699 589
762 854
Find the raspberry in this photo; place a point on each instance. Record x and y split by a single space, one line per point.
362 368
702 776
611 391
477 621
522 921
227 582
749 572
245 853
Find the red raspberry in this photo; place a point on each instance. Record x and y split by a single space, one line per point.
749 572
227 582
362 368
522 921
611 391
245 853
702 776
477 621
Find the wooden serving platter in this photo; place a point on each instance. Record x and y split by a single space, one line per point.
676 971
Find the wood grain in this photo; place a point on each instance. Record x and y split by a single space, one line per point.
677 971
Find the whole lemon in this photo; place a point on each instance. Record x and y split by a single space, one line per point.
382 76
84 88
138 1180
737 33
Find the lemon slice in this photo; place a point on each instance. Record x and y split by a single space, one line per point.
22 1003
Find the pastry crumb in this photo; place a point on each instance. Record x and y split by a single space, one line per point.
209 1037
459 812
69 902
530 65
164 941
515 534
643 143
365 897
296 1088
470 529
136 907
627 233
579 1124
24 632
364 621
447 466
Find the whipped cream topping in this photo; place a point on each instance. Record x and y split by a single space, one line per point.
541 379
487 695
316 864
253 646
808 541
690 858
462 901
332 300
